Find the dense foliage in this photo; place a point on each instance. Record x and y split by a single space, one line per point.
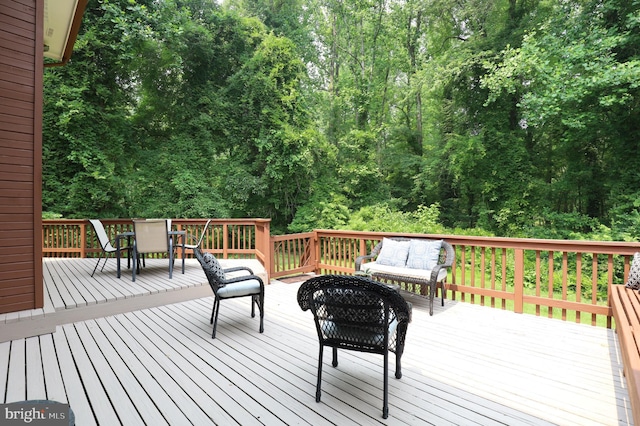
518 117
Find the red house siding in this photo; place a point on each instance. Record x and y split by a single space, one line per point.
21 26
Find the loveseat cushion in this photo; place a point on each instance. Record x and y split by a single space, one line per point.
393 252
373 267
424 254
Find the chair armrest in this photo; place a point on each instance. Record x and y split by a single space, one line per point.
243 278
190 237
239 268
374 253
449 254
359 260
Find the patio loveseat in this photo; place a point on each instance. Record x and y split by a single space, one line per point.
415 261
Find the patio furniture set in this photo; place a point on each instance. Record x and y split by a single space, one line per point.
358 313
148 236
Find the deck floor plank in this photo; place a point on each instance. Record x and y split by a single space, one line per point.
35 374
16 377
99 292
176 405
136 395
74 386
364 391
52 376
367 371
67 291
247 371
465 365
5 351
191 348
207 391
83 292
246 342
50 279
100 403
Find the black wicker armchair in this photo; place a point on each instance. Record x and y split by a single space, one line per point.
359 314
223 288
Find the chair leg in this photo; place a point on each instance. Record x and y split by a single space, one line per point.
318 391
216 309
96 267
106 257
398 367
253 305
432 295
334 361
135 264
170 259
261 307
385 397
216 305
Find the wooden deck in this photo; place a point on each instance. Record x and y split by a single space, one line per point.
464 365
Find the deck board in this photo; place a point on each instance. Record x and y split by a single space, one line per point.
35 374
466 364
52 376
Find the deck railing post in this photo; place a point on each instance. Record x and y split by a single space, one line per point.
518 279
264 245
316 246
225 241
83 240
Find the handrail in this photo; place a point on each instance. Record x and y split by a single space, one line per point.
569 279
226 238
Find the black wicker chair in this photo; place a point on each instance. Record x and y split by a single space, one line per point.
223 288
359 314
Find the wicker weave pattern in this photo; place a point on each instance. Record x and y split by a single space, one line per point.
354 312
360 314
445 260
212 269
239 286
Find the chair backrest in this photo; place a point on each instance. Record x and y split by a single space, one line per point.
212 269
204 233
151 236
101 234
446 250
166 220
355 312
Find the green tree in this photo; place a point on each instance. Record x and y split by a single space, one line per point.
86 136
577 77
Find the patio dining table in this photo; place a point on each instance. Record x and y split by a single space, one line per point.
130 234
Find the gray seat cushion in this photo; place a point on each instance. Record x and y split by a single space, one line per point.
242 288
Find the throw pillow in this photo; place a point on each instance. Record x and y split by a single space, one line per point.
210 263
634 274
393 253
424 254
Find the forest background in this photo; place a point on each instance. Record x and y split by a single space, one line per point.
494 117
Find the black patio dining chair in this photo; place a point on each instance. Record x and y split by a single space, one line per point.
105 244
230 287
358 314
